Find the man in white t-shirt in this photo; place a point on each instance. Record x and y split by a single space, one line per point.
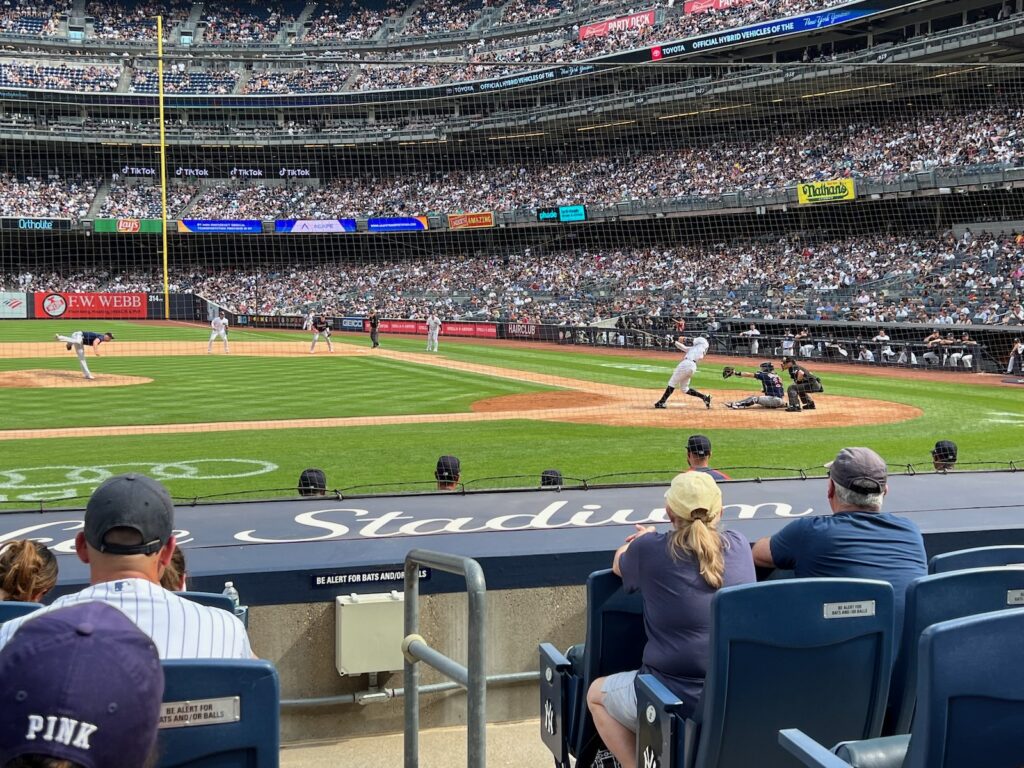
127 541
218 327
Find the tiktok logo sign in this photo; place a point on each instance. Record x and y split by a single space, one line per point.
549 718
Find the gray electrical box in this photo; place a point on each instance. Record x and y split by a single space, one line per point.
368 632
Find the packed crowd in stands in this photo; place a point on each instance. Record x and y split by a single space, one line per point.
134 23
142 201
26 18
236 23
53 197
519 11
59 77
432 16
180 79
320 80
883 278
348 21
873 150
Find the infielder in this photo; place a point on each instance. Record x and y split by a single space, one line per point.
218 327
433 329
804 383
685 370
771 388
320 325
82 339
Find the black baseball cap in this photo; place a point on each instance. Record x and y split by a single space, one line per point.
859 469
130 501
698 445
312 482
448 468
944 450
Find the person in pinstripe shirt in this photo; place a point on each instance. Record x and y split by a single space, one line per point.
127 541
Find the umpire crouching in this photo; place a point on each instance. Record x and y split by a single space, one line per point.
804 383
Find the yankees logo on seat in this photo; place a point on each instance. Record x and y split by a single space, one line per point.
650 758
549 718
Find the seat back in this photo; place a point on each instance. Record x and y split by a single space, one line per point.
942 597
212 599
13 609
971 694
220 713
813 654
615 643
981 557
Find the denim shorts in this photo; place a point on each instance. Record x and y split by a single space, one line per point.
620 698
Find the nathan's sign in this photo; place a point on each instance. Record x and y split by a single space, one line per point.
618 24
482 220
831 191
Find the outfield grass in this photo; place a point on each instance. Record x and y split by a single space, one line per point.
987 422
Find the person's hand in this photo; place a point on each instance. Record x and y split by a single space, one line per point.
640 531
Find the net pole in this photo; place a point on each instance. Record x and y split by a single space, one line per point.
163 160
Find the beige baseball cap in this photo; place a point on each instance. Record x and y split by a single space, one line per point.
694 490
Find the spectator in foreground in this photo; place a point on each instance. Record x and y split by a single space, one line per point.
858 540
944 456
312 482
175 576
447 473
28 570
80 686
677 573
127 541
698 456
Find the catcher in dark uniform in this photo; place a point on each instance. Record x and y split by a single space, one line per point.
771 388
804 383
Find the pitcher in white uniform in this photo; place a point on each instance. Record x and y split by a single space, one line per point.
218 327
685 370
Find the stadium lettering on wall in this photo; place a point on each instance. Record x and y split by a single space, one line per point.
134 170
481 220
108 306
830 191
191 172
36 225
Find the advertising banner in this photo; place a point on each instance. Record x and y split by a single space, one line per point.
480 330
314 226
225 226
482 220
830 191
351 323
397 224
563 213
520 331
13 306
700 6
36 225
135 170
399 326
127 226
618 24
108 306
273 321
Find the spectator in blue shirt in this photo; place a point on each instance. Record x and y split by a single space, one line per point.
858 540
678 572
698 456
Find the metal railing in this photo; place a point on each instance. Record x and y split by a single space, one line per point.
415 648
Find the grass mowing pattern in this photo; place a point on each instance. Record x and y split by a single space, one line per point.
241 388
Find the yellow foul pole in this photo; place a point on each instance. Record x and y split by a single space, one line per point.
163 158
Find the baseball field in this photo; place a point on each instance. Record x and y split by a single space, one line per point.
216 426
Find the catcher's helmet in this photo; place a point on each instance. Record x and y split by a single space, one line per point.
787 360
767 367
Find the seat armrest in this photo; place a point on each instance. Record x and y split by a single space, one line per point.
807 750
886 752
554 705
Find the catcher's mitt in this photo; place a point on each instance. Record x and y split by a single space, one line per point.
728 371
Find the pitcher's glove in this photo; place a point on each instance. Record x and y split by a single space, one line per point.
728 371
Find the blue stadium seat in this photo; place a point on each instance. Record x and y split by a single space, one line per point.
615 642
218 690
813 653
212 599
982 557
971 703
942 597
12 609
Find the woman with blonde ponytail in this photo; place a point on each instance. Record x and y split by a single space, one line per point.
677 572
28 570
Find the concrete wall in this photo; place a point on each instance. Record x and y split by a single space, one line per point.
299 639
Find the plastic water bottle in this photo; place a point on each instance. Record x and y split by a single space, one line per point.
232 594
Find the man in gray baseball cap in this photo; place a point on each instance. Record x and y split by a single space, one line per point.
127 540
858 540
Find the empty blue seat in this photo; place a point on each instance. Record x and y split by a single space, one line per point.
970 703
220 713
813 653
615 643
981 557
942 597
12 609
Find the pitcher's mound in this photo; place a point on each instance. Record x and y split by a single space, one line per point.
46 378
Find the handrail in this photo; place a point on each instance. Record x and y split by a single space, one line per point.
415 648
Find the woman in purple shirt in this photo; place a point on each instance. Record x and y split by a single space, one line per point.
677 573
